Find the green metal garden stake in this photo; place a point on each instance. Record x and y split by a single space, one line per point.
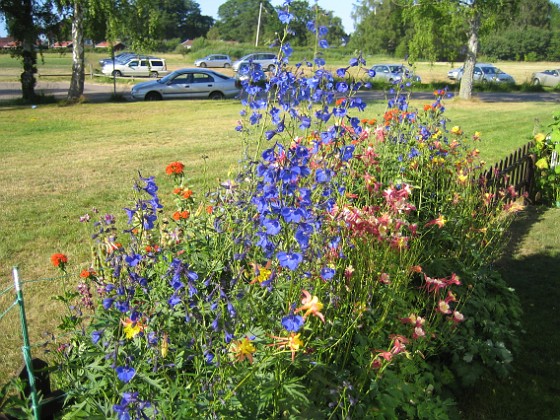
26 347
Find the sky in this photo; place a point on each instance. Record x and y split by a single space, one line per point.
340 8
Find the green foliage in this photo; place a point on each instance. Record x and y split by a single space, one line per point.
485 343
547 151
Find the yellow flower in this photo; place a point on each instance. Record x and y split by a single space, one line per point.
292 342
456 130
164 345
311 305
243 349
542 163
539 138
462 177
132 328
264 274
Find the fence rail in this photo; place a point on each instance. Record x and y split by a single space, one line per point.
517 169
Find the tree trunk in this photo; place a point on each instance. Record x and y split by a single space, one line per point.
465 91
28 53
78 57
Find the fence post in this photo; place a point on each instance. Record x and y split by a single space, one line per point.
26 347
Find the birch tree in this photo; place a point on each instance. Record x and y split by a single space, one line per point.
475 15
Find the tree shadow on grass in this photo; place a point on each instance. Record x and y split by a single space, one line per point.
530 265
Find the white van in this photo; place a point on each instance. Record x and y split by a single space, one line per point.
137 67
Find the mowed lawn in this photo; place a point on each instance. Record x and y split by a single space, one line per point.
58 163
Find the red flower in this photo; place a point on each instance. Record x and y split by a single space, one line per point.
85 274
175 168
59 260
178 215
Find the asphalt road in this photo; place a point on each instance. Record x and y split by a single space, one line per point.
96 92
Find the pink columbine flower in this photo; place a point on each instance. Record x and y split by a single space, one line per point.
384 278
457 317
444 307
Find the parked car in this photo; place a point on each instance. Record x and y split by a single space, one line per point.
550 78
394 73
267 61
187 83
453 74
214 60
138 67
121 57
487 73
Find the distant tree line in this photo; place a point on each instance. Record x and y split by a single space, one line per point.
527 30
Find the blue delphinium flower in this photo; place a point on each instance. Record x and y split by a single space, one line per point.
292 323
125 373
289 260
327 273
96 336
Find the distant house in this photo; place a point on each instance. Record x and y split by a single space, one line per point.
187 44
7 43
117 46
62 45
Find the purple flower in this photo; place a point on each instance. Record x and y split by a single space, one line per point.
272 226
323 43
107 303
96 336
292 323
323 176
133 260
285 17
327 273
289 260
125 373
174 300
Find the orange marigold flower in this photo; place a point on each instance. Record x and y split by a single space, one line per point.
175 168
178 215
209 209
85 274
177 191
59 260
187 193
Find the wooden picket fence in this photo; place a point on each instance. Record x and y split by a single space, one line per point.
517 169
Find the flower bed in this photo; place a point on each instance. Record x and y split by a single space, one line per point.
343 272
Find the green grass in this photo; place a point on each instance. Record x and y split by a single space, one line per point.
57 163
532 267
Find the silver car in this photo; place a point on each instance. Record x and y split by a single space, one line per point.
394 73
453 74
267 61
187 83
549 78
136 67
214 60
487 73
